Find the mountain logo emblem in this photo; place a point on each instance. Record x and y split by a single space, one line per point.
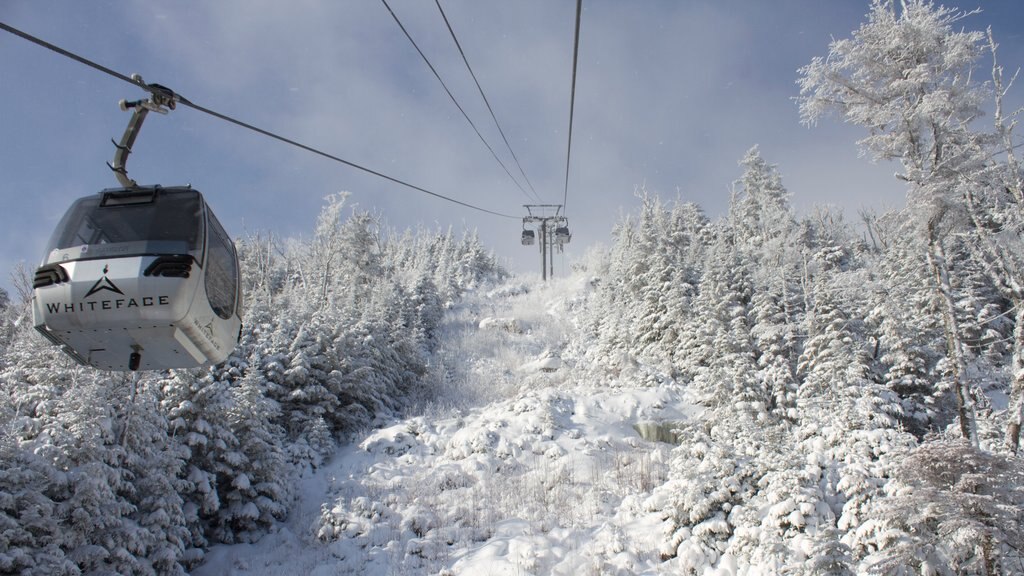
104 283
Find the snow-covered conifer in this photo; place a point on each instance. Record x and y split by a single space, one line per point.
951 509
759 213
31 535
257 489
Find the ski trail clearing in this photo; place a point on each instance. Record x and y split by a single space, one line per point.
515 465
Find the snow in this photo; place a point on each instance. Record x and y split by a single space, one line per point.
526 468
545 364
506 324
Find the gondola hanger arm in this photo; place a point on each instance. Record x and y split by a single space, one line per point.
161 100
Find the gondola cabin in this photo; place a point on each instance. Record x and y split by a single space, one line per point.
562 235
140 278
528 237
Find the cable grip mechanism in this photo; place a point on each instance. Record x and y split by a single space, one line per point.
161 100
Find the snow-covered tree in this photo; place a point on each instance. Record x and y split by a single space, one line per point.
7 321
31 535
759 213
907 76
951 509
907 332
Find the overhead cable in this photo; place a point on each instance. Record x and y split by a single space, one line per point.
454 100
572 98
484 96
160 90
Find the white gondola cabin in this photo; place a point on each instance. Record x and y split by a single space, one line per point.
562 235
140 278
528 237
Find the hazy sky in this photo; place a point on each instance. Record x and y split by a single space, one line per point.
670 95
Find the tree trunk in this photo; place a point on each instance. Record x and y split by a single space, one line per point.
954 347
1016 408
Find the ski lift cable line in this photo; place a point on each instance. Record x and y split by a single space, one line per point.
486 101
453 99
162 91
572 98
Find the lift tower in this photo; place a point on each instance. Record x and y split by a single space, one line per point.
546 221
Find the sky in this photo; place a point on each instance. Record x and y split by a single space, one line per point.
670 95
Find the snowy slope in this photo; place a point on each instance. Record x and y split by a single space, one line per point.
516 465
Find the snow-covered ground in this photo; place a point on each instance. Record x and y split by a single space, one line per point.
516 465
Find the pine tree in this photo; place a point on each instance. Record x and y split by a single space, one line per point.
774 339
708 481
829 556
257 490
7 321
31 535
951 509
153 465
904 315
718 349
759 214
195 409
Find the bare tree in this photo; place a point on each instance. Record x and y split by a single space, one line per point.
21 279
